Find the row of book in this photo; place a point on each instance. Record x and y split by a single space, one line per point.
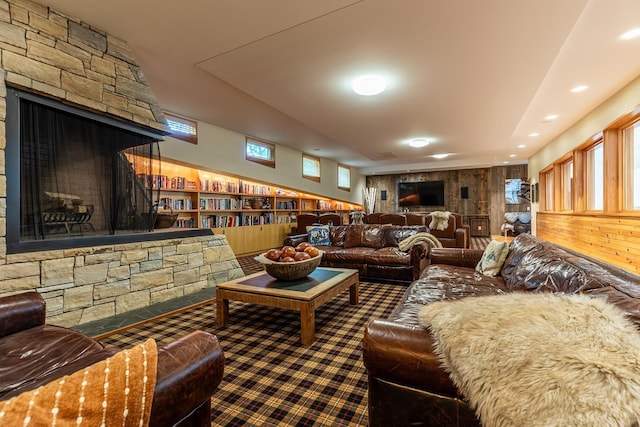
266 218
219 186
288 205
257 189
216 221
185 223
211 204
169 203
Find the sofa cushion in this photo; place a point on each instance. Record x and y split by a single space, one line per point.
115 391
337 235
441 282
318 235
493 258
388 256
364 235
351 255
35 356
392 235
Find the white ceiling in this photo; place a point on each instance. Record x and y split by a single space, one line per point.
476 76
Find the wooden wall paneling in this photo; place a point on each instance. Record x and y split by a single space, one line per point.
579 179
611 238
475 179
612 195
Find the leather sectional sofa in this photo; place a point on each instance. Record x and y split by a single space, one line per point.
33 354
407 386
373 250
456 235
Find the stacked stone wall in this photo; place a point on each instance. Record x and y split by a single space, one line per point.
86 284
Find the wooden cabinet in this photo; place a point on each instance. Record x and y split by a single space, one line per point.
253 215
478 225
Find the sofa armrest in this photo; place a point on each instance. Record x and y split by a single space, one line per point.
419 258
403 354
295 240
462 237
455 256
189 371
20 312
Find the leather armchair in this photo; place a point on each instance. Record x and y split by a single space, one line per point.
33 353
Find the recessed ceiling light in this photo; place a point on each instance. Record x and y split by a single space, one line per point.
521 146
419 142
440 156
550 117
505 162
369 85
532 134
512 155
631 34
580 88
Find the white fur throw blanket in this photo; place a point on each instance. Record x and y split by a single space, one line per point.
540 359
439 220
406 244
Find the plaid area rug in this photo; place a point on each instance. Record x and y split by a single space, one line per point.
270 378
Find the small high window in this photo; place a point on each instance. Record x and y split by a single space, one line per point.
182 128
344 178
311 167
260 152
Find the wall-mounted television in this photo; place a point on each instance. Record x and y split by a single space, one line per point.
423 193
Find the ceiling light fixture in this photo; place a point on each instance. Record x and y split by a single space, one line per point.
440 156
369 85
419 142
522 145
512 155
631 34
580 88
532 134
550 117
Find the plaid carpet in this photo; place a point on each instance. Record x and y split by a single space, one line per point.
270 379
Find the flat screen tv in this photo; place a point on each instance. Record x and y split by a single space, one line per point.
423 193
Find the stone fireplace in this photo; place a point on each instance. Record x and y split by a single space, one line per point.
48 54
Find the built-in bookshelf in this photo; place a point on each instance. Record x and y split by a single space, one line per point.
207 199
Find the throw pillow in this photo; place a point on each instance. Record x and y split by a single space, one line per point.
116 391
493 258
318 235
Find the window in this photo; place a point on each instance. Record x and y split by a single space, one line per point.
595 177
311 167
567 185
260 152
344 178
548 190
182 128
631 155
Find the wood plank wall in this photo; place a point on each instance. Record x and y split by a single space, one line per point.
609 237
485 186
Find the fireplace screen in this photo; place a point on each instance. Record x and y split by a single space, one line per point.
80 177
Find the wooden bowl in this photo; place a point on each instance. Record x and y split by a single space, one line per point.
289 270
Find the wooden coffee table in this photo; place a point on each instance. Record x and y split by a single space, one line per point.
303 295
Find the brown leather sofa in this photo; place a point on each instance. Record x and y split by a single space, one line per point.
33 353
306 219
456 235
373 250
407 386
